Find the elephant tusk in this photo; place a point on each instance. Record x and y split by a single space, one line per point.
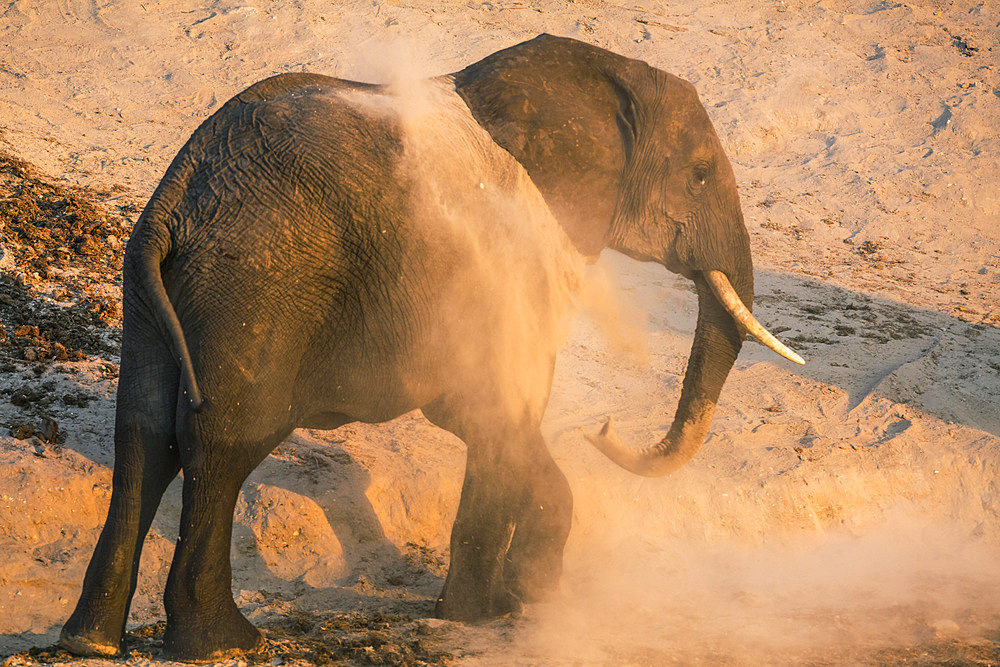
731 301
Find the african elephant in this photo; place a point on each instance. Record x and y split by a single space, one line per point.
324 251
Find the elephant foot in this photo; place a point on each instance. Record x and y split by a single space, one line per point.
92 630
198 641
534 581
89 646
476 609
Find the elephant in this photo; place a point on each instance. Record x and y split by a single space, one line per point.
324 251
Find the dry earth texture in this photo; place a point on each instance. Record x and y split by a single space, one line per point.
845 512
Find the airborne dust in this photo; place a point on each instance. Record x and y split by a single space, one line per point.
699 566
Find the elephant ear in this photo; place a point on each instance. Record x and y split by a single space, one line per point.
566 111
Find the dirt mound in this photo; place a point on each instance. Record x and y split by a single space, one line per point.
50 228
59 244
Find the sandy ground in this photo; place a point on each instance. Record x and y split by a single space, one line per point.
844 512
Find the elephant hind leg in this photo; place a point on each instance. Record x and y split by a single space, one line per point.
203 621
146 461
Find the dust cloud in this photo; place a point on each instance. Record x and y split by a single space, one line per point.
511 280
650 582
620 320
636 593
503 271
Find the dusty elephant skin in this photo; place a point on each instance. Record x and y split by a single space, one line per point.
324 251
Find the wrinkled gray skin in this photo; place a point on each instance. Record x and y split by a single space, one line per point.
274 281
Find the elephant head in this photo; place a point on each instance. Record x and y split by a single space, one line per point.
626 158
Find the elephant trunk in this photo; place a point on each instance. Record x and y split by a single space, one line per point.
722 319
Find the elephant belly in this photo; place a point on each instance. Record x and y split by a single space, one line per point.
486 352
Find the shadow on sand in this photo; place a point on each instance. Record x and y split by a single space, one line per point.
871 346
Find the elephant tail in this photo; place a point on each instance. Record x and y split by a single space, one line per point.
151 255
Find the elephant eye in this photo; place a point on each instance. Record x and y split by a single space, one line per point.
699 178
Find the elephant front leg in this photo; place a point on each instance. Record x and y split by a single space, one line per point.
512 523
535 557
474 589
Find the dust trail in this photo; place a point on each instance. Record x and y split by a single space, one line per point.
518 267
398 63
